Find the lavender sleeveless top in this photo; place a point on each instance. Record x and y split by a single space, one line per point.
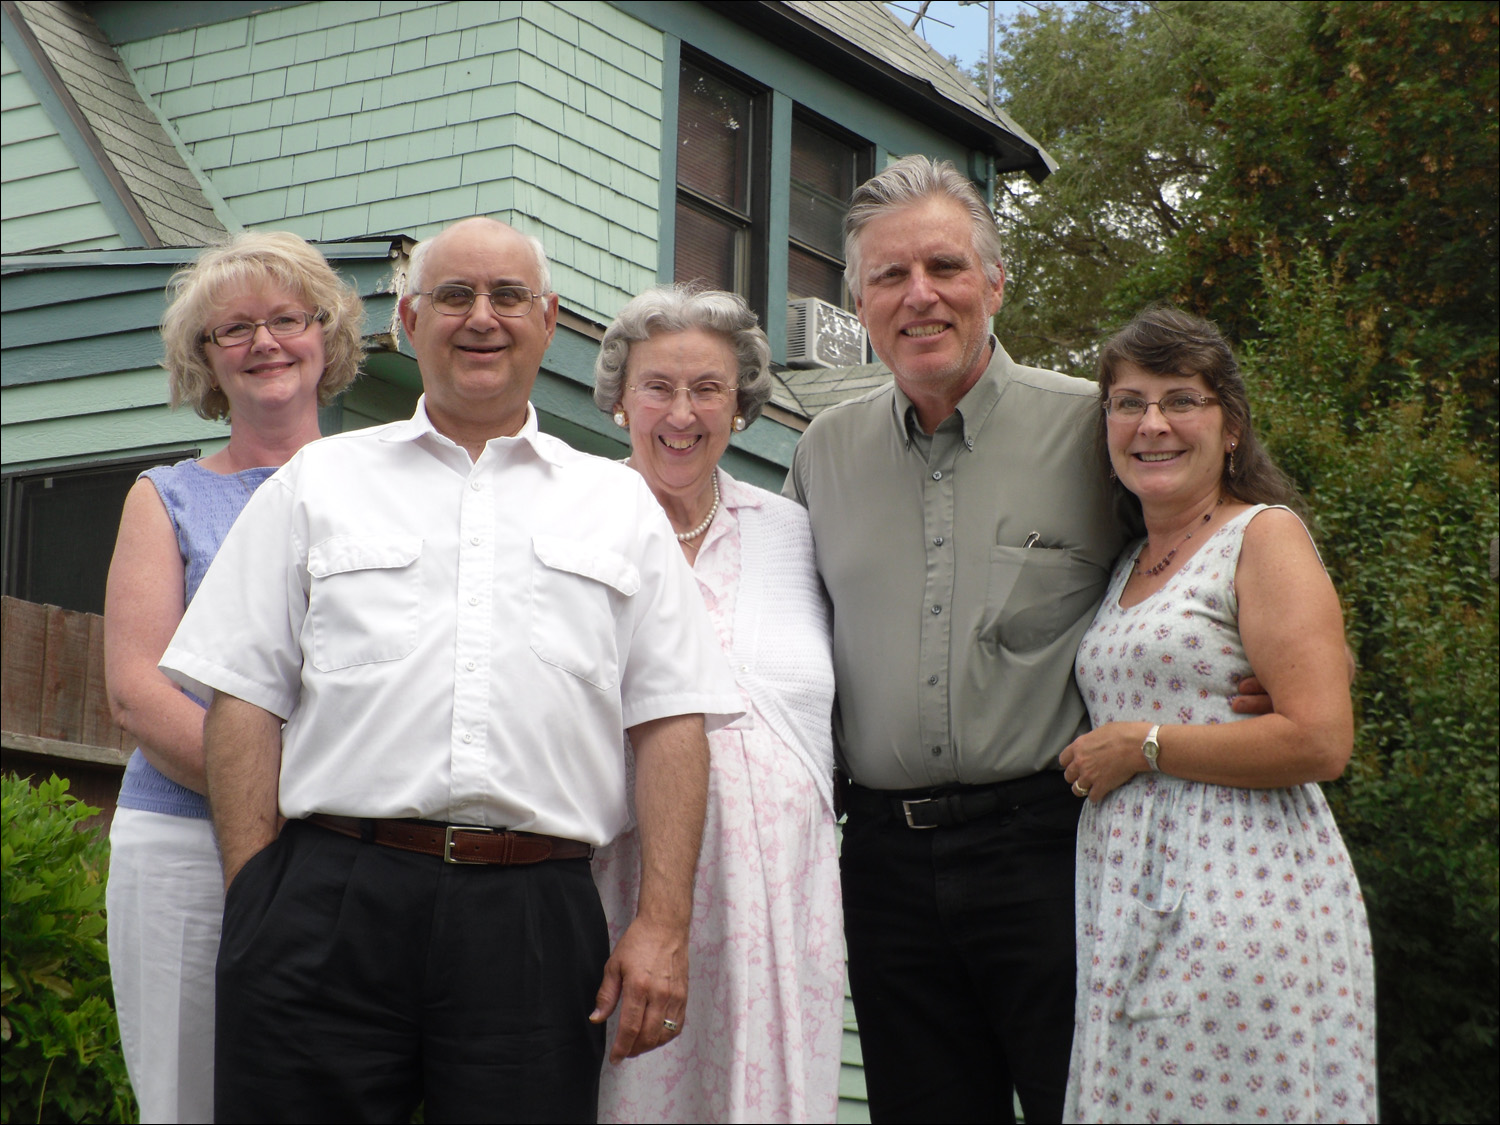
202 506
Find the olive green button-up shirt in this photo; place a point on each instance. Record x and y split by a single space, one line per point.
963 569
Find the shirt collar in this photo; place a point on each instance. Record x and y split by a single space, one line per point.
419 425
973 409
733 494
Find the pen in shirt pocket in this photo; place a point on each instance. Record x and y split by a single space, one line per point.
1033 540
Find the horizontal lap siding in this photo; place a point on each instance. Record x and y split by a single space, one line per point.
349 119
47 204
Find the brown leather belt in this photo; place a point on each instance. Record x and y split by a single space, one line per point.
454 843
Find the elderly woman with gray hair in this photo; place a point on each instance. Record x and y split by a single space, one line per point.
682 369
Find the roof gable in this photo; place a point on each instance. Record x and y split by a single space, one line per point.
147 184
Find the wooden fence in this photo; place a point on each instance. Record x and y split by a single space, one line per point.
54 713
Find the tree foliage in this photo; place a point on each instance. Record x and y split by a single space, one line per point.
57 1019
1114 93
1375 141
1405 510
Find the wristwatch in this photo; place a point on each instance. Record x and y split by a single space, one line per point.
1151 748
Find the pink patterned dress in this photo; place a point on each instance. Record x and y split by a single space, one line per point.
764 1026
1224 965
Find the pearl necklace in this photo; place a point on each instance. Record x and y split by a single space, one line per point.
1152 572
688 536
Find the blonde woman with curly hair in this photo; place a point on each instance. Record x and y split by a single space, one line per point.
259 331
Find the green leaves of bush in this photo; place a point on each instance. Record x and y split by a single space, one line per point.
58 1036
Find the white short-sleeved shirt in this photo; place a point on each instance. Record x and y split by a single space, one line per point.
455 640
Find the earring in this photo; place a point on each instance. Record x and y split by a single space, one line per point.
622 421
740 423
1231 460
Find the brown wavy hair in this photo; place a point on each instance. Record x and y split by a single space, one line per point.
1168 341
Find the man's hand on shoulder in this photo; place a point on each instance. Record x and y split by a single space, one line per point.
647 978
1250 698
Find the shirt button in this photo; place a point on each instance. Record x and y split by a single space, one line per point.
475 485
937 609
937 751
937 475
938 542
932 679
471 666
468 736
474 539
473 601
969 443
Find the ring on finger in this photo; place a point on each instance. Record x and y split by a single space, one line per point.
671 1025
1080 790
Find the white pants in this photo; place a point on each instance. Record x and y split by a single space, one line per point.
166 901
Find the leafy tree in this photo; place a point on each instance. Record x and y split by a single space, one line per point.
1375 141
1114 93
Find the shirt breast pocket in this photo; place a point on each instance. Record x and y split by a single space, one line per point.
365 599
1036 594
575 593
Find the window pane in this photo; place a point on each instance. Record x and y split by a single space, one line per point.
713 139
807 276
821 161
707 249
817 220
61 533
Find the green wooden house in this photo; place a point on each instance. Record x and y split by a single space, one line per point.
641 142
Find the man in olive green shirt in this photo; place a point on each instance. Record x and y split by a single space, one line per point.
965 533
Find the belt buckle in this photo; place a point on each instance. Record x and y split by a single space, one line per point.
448 831
906 808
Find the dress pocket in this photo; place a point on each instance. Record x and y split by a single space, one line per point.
575 592
1036 594
365 599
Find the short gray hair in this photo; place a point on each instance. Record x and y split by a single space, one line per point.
419 256
681 308
915 179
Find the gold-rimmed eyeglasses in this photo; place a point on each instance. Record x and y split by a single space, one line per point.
457 300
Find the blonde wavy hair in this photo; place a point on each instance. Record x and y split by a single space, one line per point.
271 259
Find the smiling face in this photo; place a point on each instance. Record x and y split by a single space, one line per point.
266 373
478 369
925 300
1167 459
676 447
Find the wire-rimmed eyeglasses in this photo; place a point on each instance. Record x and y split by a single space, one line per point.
705 394
457 300
1128 407
280 325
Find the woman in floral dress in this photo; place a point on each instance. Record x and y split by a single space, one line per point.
682 369
1224 966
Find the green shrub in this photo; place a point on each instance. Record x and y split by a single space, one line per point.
1405 504
61 1044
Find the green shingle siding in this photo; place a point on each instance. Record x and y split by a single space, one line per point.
400 116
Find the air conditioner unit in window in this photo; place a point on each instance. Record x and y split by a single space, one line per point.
822 335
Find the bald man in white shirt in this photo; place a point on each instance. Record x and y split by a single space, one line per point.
456 618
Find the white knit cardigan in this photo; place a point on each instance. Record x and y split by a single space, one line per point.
783 637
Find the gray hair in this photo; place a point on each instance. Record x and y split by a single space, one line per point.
911 180
419 256
259 260
681 308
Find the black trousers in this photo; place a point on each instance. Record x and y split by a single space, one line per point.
356 981
961 961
